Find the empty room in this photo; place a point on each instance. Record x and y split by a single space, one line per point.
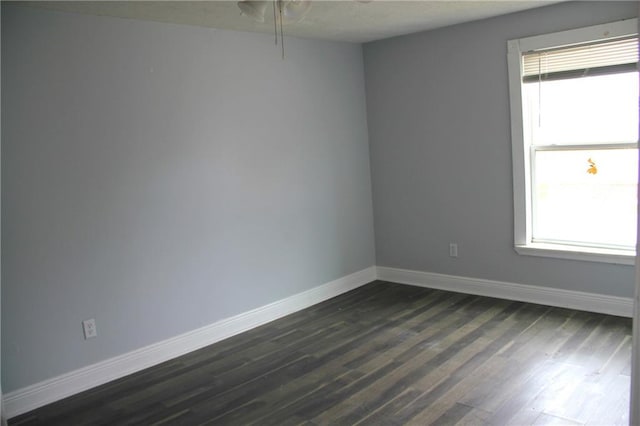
319 212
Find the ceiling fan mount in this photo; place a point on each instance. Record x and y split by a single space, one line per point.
290 11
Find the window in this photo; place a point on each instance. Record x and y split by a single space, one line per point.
574 129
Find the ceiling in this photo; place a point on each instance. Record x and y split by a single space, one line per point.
343 20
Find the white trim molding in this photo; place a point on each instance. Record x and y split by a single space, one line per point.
592 302
558 251
57 388
48 391
523 148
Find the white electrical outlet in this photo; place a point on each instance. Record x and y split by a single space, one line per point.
89 327
453 250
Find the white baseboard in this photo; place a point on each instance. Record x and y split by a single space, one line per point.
39 394
620 306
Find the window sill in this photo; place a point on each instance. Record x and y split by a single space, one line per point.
620 257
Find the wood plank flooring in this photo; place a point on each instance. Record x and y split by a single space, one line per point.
383 354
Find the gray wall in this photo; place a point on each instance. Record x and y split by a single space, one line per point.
439 134
3 420
161 177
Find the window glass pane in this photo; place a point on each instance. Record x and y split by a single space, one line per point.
586 197
599 109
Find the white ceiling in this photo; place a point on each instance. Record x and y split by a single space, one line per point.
343 20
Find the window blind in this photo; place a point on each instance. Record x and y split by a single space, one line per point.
606 57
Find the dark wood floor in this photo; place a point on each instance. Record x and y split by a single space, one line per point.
384 354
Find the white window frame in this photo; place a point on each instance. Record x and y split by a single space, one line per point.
521 156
